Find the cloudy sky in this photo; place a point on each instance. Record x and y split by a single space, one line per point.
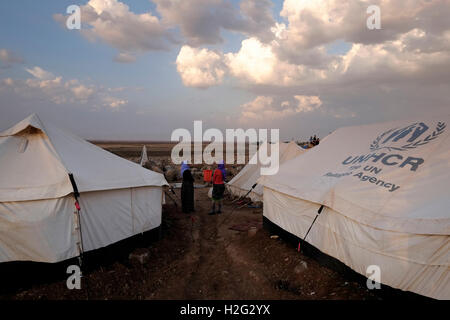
140 69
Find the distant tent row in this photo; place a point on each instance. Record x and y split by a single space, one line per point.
385 189
118 198
241 184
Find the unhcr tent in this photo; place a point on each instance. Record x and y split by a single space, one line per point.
38 215
386 195
144 157
249 175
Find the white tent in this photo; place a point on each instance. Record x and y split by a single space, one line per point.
144 157
248 176
118 198
386 195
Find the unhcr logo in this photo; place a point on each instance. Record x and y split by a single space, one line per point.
407 138
398 139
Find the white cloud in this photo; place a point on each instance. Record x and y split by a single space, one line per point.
40 73
312 23
254 62
125 58
112 22
411 55
202 21
257 63
259 20
8 82
200 68
45 85
82 92
113 102
194 22
8 58
398 61
307 103
268 108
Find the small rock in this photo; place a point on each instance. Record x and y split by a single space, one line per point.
171 175
301 267
253 275
156 169
142 258
252 231
149 164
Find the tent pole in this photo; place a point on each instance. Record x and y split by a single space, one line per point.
243 197
76 195
170 197
229 216
317 215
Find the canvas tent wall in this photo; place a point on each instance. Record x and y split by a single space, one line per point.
386 192
37 222
249 175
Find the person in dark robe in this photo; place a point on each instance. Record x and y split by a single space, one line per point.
187 192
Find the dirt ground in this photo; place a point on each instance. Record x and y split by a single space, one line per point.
200 257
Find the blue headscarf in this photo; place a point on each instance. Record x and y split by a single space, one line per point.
221 167
184 167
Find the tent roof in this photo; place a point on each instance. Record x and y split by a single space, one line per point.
36 157
31 121
249 175
387 192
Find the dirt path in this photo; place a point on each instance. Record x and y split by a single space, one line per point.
199 257
226 264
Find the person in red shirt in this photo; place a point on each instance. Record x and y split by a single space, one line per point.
218 188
